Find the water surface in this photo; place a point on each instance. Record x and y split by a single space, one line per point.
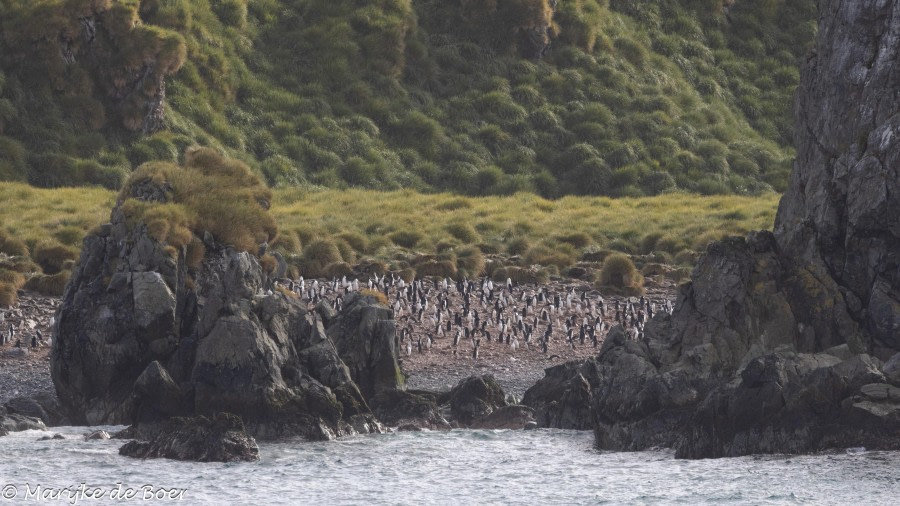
457 467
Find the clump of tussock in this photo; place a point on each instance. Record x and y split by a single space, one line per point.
317 255
209 193
436 268
470 261
619 272
51 285
51 256
576 239
337 270
463 232
12 246
406 238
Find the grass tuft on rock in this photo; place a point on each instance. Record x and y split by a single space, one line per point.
208 194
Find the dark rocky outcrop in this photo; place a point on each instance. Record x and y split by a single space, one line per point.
365 337
515 417
44 407
420 409
777 343
141 339
12 422
218 439
562 398
474 398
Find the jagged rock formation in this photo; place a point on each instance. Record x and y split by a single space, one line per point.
562 398
200 439
777 343
145 334
365 337
841 213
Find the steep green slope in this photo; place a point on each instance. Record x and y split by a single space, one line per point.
474 96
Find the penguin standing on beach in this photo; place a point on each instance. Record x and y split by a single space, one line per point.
475 350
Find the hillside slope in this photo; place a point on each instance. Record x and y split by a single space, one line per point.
618 98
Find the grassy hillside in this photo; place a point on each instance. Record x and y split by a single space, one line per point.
592 97
324 232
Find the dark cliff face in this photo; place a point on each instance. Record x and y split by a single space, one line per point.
842 209
778 342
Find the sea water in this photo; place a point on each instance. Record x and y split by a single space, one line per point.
458 467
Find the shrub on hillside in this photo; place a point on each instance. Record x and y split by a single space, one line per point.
8 295
465 232
13 278
576 239
337 270
50 285
11 245
406 238
436 268
51 255
470 261
317 255
619 272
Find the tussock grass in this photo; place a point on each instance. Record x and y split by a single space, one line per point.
52 285
620 273
209 194
672 227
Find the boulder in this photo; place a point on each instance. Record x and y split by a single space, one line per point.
891 370
13 422
44 406
516 417
795 403
474 398
408 409
221 438
562 398
97 435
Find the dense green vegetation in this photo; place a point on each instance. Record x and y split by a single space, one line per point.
631 98
328 232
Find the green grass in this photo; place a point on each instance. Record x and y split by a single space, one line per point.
634 97
672 228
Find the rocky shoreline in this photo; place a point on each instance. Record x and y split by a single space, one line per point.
27 374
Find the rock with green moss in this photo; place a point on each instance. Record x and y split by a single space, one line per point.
144 334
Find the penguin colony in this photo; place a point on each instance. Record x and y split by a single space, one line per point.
464 316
